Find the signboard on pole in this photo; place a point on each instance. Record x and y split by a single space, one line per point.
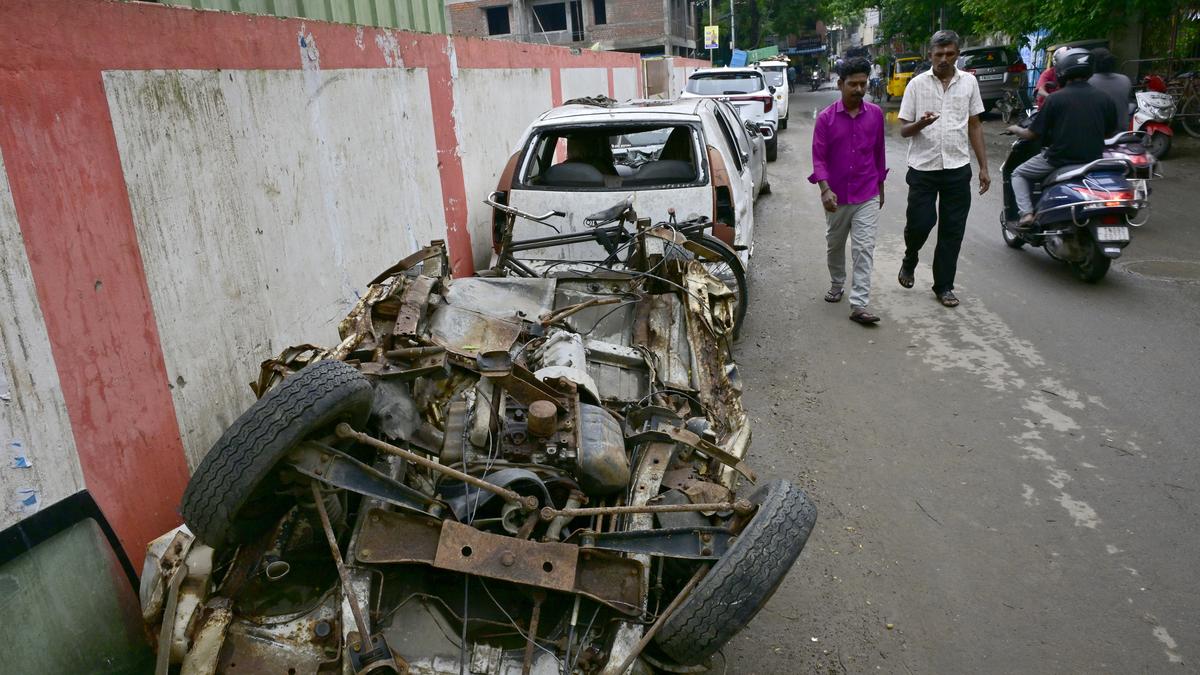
712 37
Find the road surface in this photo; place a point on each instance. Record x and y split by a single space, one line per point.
1008 486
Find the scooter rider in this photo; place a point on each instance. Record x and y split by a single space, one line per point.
1072 124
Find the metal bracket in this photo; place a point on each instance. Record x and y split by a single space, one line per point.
686 543
333 467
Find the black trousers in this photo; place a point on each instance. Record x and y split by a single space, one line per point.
942 198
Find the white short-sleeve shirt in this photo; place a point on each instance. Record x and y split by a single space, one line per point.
943 144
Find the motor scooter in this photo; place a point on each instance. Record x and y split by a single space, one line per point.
1083 213
1152 114
816 79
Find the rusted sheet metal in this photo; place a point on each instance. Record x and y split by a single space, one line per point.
395 537
413 302
545 564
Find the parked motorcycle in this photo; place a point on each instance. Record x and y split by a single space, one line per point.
1153 115
1083 213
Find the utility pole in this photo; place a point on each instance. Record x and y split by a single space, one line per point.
732 28
710 15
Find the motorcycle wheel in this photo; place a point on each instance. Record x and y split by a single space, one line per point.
1094 265
1006 112
1011 239
1159 145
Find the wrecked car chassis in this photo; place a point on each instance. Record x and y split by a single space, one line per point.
486 475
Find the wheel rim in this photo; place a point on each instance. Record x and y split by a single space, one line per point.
1190 116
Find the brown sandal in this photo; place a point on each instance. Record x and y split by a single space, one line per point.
835 295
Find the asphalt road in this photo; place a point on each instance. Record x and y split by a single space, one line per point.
1008 486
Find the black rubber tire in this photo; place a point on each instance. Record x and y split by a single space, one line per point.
742 581
1189 116
1010 238
731 271
1159 145
232 477
773 149
1092 268
765 189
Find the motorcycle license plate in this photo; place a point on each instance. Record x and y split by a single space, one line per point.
989 78
1105 233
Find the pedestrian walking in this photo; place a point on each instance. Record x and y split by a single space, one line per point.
849 165
1116 85
939 116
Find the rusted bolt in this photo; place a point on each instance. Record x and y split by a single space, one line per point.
707 550
705 536
529 503
508 559
365 554
743 506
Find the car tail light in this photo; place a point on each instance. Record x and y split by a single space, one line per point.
767 101
1017 67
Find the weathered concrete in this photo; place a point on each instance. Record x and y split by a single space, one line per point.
39 463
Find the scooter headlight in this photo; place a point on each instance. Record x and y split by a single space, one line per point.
1163 112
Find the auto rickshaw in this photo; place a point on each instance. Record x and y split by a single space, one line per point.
901 70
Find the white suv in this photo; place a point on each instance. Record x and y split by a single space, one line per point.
747 90
776 73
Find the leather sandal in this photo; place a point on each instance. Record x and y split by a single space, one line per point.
947 299
906 277
862 316
835 294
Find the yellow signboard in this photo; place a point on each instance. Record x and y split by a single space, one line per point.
711 37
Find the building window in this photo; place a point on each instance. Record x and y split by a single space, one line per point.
550 17
599 12
497 20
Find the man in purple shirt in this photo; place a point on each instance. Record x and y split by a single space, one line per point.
849 165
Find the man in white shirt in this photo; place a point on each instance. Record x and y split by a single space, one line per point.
940 116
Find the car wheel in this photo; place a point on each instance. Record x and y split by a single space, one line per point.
773 149
742 581
230 498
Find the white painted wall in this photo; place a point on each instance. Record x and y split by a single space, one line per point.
492 108
580 82
625 84
263 202
39 465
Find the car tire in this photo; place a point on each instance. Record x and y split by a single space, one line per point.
742 581
226 499
773 149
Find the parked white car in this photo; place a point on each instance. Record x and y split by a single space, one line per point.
694 156
747 90
776 74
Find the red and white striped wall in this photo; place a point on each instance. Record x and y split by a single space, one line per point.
183 193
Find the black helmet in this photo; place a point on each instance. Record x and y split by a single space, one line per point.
1073 63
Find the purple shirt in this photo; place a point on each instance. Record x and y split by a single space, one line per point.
848 152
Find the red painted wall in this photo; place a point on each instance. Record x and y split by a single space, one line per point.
72 204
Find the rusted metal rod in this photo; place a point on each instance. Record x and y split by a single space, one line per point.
527 665
740 506
359 621
649 635
526 503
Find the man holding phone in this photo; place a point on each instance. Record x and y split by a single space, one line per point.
940 116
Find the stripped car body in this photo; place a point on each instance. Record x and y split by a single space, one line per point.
694 157
487 475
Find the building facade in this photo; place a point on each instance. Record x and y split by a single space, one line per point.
665 27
